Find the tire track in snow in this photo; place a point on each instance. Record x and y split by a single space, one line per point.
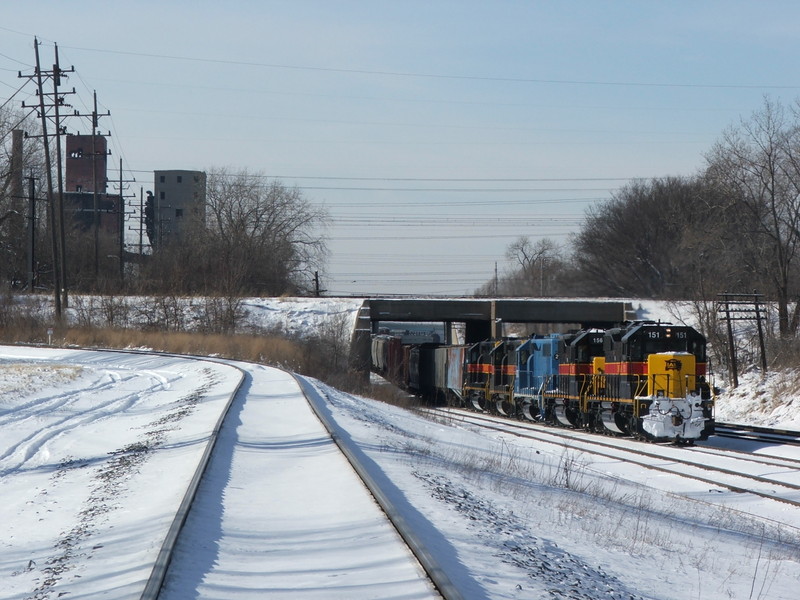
19 454
109 482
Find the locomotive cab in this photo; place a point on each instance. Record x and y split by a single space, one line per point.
478 374
565 402
659 381
504 371
537 366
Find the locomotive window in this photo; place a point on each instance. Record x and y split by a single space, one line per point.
546 350
582 354
698 348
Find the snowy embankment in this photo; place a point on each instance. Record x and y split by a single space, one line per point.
96 455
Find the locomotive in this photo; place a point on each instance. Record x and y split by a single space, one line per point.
644 379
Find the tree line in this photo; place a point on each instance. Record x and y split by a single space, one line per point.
733 226
255 236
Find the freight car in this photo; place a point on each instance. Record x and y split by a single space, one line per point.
644 379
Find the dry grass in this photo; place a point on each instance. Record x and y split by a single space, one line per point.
312 357
270 350
260 349
323 355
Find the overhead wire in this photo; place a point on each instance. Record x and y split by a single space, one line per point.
17 91
410 74
464 187
88 108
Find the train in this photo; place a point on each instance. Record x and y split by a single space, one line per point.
644 379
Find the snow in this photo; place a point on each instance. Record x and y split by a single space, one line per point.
315 532
767 400
502 505
98 448
80 493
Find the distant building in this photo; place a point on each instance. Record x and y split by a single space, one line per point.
86 164
179 198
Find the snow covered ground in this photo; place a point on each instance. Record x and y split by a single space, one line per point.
95 450
282 514
81 498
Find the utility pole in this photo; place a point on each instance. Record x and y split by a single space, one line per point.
31 233
141 219
53 100
742 307
59 101
317 291
121 223
95 184
39 76
16 205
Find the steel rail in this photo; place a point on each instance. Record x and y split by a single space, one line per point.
159 572
441 581
753 432
509 426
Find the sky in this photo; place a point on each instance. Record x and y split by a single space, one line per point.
434 133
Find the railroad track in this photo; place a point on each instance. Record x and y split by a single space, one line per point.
251 413
728 470
429 563
439 580
761 434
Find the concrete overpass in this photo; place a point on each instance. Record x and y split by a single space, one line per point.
482 316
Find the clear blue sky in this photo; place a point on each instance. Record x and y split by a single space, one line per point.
435 132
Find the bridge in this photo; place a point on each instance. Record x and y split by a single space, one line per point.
482 317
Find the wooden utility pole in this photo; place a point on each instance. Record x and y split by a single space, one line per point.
31 233
51 209
55 204
121 223
742 307
95 116
317 291
58 101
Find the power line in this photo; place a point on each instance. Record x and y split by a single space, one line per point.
419 237
492 190
426 179
452 190
409 74
18 90
472 221
456 179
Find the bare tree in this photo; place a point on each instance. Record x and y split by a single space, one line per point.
539 270
258 237
268 235
661 239
537 264
14 192
757 166
624 245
